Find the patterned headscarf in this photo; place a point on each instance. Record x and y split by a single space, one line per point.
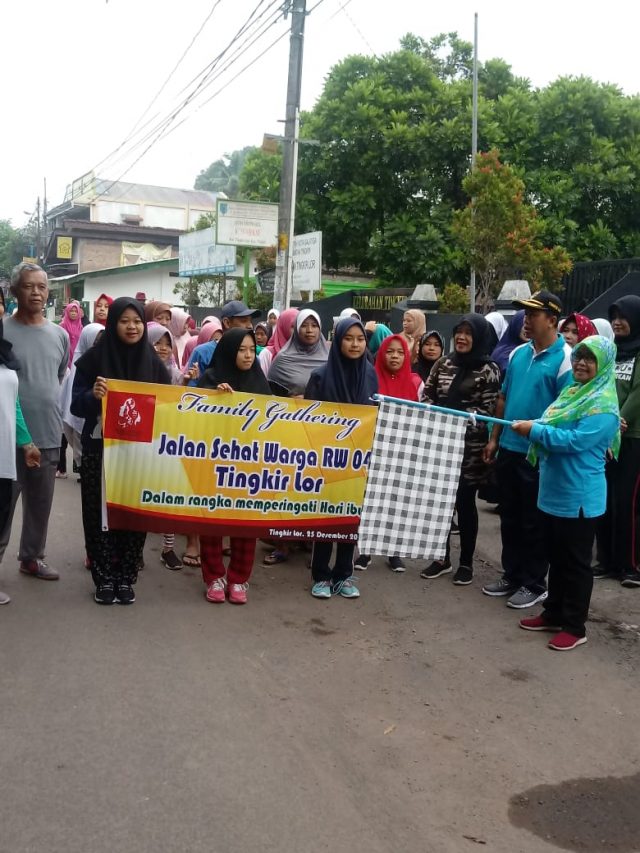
596 397
584 326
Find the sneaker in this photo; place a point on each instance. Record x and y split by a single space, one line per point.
362 563
4 598
105 594
171 560
396 564
455 530
125 594
61 475
630 579
499 587
38 569
435 570
321 589
464 576
600 572
564 642
538 623
238 593
524 597
216 591
346 588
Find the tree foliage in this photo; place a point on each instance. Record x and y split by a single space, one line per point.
395 132
223 175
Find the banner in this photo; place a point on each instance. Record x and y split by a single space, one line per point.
191 460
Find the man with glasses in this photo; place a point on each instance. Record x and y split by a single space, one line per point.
537 372
42 348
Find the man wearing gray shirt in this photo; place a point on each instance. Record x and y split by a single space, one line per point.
42 348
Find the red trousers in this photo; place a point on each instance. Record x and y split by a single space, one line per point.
243 552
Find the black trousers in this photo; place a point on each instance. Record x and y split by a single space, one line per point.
467 522
343 566
569 543
618 530
6 494
115 555
524 555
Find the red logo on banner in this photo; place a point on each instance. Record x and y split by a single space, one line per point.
130 416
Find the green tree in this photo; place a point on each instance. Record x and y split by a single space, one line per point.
223 175
260 176
453 299
499 234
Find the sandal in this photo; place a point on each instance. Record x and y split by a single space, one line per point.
274 558
191 560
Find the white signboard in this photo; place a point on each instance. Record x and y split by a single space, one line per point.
246 223
199 255
307 261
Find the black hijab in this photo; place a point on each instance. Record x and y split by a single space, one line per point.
346 380
7 357
628 307
112 358
223 367
466 362
423 367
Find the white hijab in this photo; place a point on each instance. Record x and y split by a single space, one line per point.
498 322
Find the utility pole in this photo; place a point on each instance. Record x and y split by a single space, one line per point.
286 212
474 143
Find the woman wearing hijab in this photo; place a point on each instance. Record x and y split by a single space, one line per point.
233 368
205 344
122 352
347 377
467 380
158 312
280 336
395 379
71 425
179 327
618 535
576 328
430 349
101 308
263 332
203 336
414 325
378 334
512 338
72 324
497 327
272 317
604 328
3 306
305 352
571 441
13 432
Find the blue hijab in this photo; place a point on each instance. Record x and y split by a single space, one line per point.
508 342
346 380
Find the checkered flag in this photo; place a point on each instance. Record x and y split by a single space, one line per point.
412 482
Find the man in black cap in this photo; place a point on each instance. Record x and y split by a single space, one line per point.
538 370
236 315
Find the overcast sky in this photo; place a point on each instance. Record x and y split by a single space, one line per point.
78 74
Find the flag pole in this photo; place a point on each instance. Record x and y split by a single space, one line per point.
430 408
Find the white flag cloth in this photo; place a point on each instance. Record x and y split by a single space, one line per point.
412 482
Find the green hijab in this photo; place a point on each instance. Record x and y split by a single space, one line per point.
381 332
596 397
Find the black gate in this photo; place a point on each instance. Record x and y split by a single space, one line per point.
590 279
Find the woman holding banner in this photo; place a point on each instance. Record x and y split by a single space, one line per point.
122 352
233 368
466 380
571 441
347 377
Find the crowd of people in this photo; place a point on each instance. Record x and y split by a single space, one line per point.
564 473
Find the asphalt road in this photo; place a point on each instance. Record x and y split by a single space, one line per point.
417 718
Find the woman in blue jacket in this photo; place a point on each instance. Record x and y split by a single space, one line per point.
571 440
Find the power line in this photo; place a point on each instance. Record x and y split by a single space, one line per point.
204 74
163 87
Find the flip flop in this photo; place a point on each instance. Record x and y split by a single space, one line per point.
274 558
191 560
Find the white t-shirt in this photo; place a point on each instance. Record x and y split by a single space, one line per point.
8 397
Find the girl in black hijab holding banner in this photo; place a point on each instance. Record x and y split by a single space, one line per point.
233 368
123 352
347 377
469 381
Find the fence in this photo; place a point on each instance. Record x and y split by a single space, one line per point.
590 279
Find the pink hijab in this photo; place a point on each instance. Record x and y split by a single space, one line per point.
72 327
176 326
210 325
283 331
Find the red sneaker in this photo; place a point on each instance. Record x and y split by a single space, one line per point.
215 591
538 623
564 642
237 593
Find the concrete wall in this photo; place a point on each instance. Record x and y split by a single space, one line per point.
157 284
